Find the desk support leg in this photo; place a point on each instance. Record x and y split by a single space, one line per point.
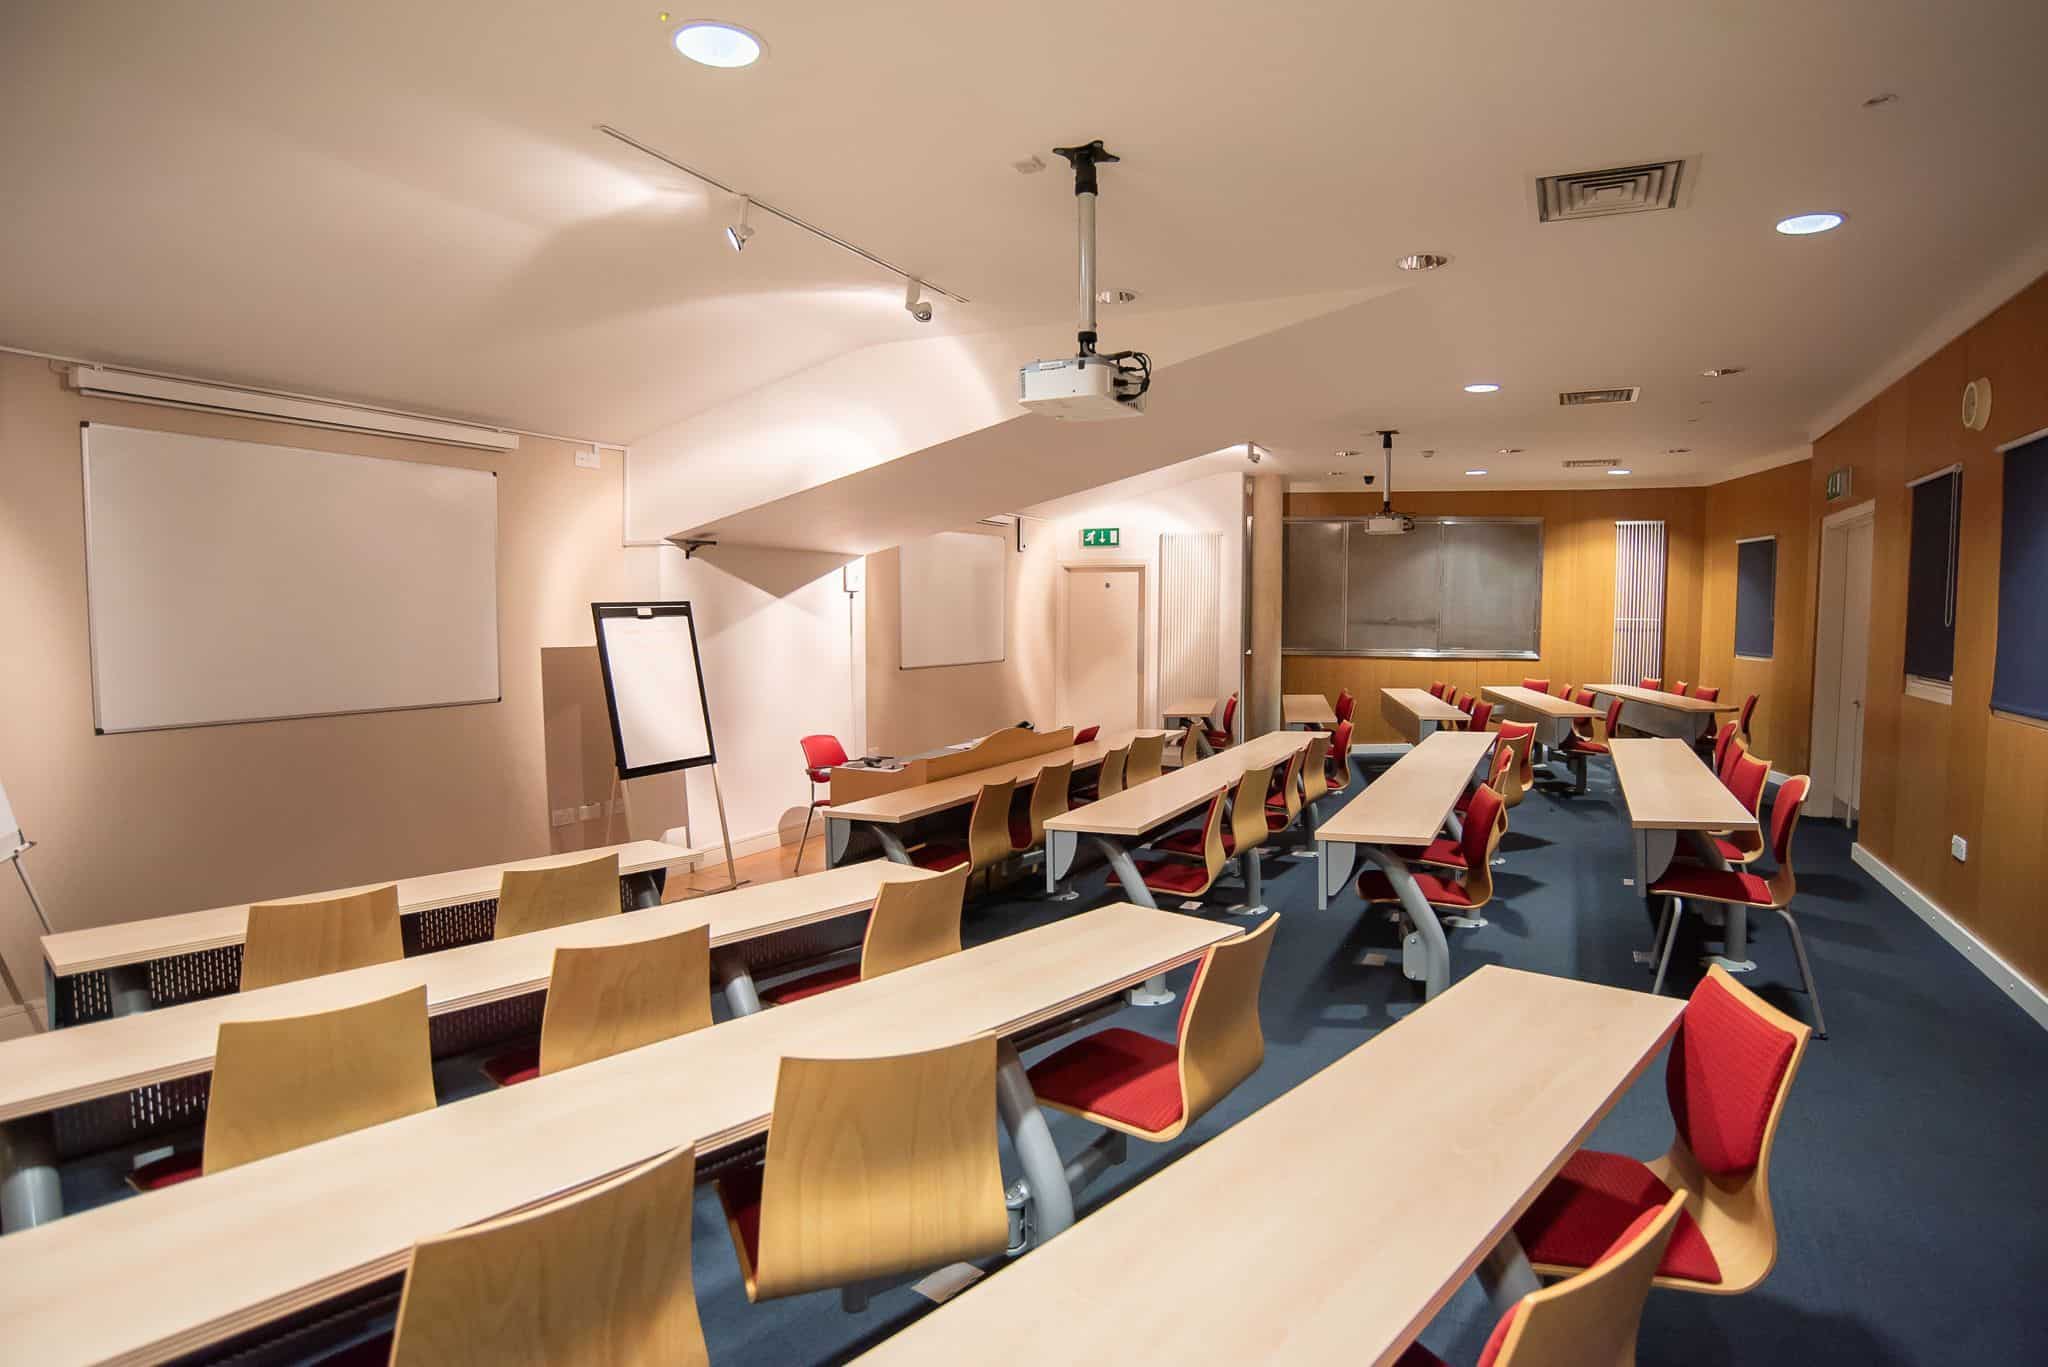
1050 1201
1254 887
1505 1275
1436 950
737 981
1654 849
643 889
1153 991
29 1191
1335 858
891 844
1734 955
837 833
1060 847
128 988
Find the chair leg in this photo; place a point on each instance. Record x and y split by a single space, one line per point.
809 811
1820 1020
1674 915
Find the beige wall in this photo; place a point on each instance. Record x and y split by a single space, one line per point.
157 822
909 710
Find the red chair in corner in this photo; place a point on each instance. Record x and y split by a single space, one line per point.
1086 734
1219 737
820 754
1590 1320
1730 1069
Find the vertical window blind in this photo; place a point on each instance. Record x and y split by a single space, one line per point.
1756 596
1931 555
2019 684
1638 600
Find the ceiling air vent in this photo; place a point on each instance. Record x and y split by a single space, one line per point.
1590 464
1579 398
1596 194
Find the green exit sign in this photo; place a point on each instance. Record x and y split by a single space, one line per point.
1102 536
1838 484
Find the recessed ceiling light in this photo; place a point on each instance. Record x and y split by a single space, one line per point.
709 42
1423 261
1484 387
1718 371
1806 225
1475 472
1619 470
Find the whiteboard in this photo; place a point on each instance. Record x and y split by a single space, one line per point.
653 687
953 600
230 581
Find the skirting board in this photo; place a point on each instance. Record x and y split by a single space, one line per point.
1982 957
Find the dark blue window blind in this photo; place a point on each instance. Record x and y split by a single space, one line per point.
1931 577
2020 683
1756 596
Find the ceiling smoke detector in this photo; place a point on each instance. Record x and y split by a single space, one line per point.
1601 194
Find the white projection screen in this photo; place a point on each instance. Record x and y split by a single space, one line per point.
230 581
953 600
653 686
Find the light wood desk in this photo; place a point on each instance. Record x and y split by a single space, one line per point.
40 1073
1669 790
124 951
1354 1259
1664 714
1307 709
854 782
196 1263
1416 713
1179 713
885 813
1406 805
1551 715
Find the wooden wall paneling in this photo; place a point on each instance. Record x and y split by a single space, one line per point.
1772 503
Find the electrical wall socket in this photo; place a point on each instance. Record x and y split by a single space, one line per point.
1959 847
588 460
563 816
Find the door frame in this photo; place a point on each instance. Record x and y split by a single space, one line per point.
1141 569
1823 728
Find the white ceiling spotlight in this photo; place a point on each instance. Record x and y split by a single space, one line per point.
710 42
1475 472
914 302
1483 387
1806 225
738 234
1619 470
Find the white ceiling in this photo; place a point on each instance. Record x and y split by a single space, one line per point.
407 203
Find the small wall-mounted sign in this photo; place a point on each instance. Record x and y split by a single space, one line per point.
1838 484
1102 536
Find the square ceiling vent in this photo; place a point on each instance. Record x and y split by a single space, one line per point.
1578 398
1598 194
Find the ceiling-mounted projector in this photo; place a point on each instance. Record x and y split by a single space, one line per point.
1387 522
1087 386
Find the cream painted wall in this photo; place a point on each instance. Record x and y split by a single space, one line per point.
167 821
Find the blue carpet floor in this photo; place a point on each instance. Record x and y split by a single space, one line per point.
1908 1178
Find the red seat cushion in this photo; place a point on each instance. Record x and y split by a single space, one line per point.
811 985
1219 739
1183 878
1131 1078
1442 850
1579 745
1716 885
741 1192
1731 851
168 1171
939 857
1723 1077
1593 1203
1020 830
514 1066
1189 841
1375 886
1277 819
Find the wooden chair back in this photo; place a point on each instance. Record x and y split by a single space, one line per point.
914 920
1591 1320
1049 798
1315 773
1746 776
1486 821
606 999
1248 827
1213 856
877 1167
1337 769
282 1084
288 941
1221 1043
1519 737
1109 779
541 899
600 1276
1786 808
1147 760
1190 747
1290 787
988 827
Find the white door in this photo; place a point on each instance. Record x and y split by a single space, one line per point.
1848 770
1102 653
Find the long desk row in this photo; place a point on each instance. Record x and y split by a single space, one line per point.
197 1263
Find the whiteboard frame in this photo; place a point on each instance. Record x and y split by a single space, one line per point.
664 608
92 648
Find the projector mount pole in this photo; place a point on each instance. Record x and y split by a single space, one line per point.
1387 435
1084 159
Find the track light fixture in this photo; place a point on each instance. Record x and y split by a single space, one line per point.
914 302
738 233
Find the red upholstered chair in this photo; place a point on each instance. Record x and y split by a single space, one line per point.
1580 745
1589 1320
1458 894
1482 713
1652 683
1540 685
1706 694
1466 702
1283 804
1498 763
1521 737
1742 719
1565 690
1248 826
914 921
1582 726
1448 852
821 752
1109 779
1220 736
1049 798
1744 775
1723 740
988 841
1346 704
1684 882
1180 878
1730 1069
1086 734
1681 688
1437 689
1338 770
1154 1089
